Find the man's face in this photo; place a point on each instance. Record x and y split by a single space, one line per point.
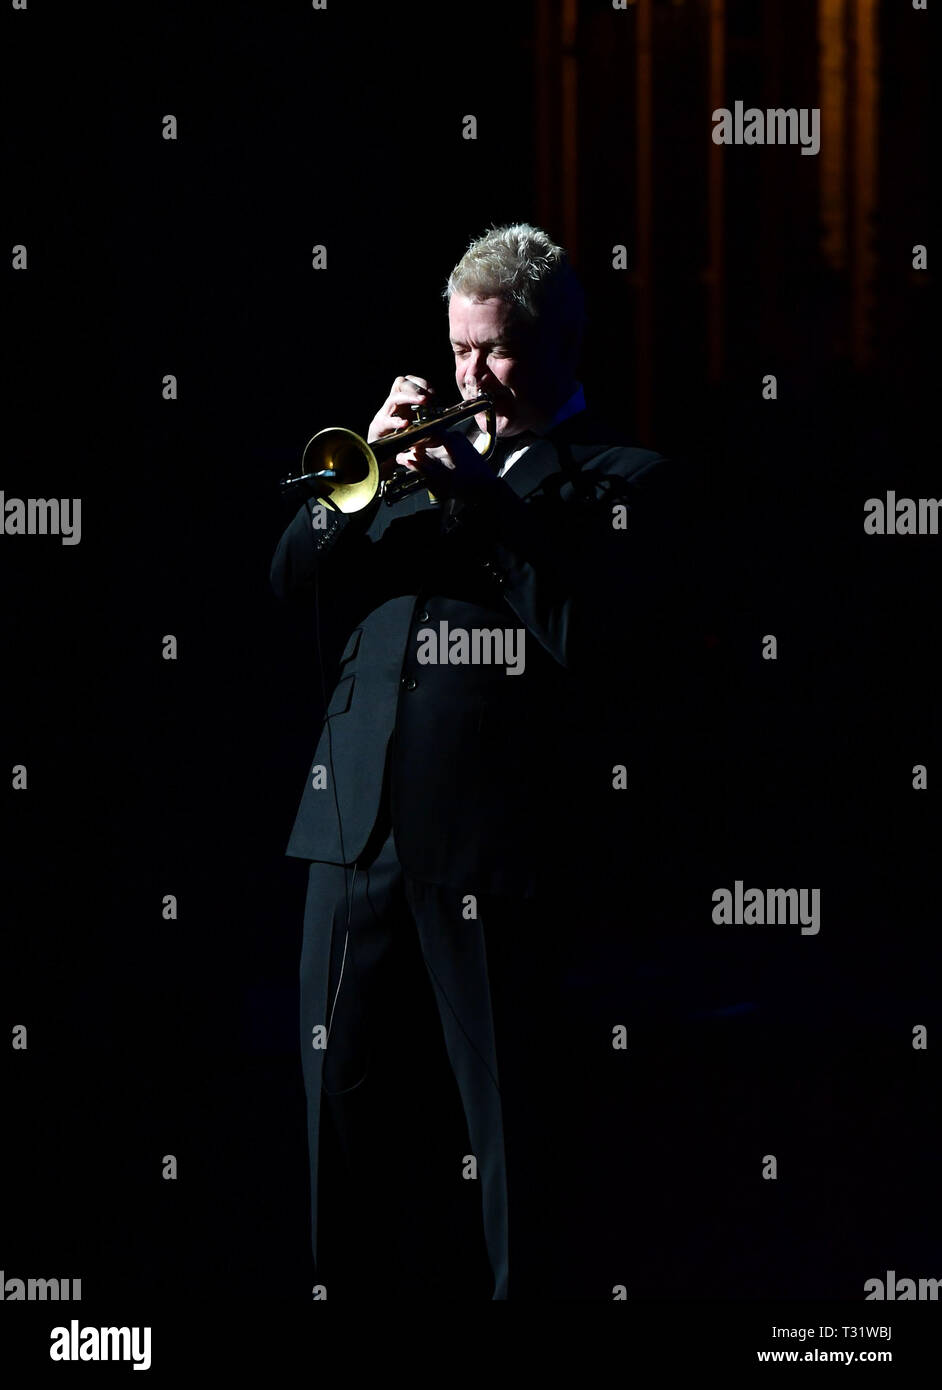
519 370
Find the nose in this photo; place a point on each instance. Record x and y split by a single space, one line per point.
476 377
477 366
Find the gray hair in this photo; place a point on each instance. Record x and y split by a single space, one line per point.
523 266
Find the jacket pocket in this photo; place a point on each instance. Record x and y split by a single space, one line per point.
353 645
343 694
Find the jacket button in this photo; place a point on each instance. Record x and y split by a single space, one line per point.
423 616
409 682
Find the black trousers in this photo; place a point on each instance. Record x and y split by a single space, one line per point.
459 1143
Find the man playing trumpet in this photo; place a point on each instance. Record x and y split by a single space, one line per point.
476 833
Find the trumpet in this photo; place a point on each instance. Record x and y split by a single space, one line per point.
342 467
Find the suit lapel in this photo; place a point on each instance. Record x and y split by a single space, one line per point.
568 445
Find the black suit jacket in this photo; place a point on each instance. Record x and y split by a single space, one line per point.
499 783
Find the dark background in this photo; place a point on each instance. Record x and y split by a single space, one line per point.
149 777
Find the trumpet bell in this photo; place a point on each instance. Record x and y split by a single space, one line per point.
346 469
343 467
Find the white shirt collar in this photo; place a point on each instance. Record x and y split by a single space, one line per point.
572 406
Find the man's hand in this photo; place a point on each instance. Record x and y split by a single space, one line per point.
395 413
452 466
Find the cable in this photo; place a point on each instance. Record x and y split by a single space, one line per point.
343 961
348 893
